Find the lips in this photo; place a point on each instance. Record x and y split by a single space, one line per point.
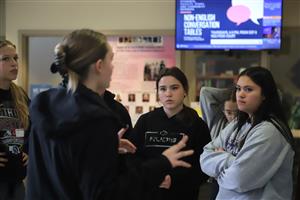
14 71
169 101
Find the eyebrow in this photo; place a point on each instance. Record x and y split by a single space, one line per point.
169 85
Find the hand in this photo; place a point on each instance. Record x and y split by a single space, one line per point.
174 153
219 149
125 146
166 184
24 159
3 159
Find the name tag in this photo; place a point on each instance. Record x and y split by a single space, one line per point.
162 138
19 132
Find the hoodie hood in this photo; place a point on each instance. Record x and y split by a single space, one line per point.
58 112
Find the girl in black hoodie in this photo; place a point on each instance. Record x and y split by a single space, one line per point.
74 142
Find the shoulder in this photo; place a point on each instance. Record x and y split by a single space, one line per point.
193 115
151 116
267 127
266 131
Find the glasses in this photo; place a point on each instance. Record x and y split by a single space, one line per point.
230 112
9 58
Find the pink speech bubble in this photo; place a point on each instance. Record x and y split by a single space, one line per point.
238 14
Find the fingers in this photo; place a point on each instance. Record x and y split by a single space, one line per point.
182 154
122 132
3 160
182 143
125 146
166 182
181 163
25 159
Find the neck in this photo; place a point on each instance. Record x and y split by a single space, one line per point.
4 84
171 112
94 87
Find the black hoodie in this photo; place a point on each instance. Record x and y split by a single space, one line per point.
73 150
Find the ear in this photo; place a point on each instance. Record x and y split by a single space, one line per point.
98 65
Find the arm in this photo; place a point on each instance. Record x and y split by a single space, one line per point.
199 138
259 159
95 160
214 162
211 103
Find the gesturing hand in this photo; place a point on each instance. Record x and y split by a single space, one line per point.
174 153
24 159
166 184
125 146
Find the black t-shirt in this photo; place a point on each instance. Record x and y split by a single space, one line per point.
12 137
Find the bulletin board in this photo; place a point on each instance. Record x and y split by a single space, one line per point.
138 57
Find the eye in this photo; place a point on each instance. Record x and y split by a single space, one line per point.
162 89
248 89
16 58
6 59
174 87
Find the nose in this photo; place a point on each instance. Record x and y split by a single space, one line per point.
240 94
168 92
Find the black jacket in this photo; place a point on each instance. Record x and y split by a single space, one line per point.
73 150
119 110
154 132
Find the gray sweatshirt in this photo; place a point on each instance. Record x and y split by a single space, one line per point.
212 104
259 170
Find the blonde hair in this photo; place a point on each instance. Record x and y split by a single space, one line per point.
21 104
75 54
73 81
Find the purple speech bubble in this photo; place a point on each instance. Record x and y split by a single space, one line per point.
238 14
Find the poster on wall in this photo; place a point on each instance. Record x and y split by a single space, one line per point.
137 62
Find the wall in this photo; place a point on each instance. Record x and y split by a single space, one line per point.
2 19
102 15
96 14
123 15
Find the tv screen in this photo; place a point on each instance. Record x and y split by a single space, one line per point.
228 24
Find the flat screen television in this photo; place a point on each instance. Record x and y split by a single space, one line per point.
228 24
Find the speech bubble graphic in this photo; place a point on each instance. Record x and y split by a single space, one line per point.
256 8
238 14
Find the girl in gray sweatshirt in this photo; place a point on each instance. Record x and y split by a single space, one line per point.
252 158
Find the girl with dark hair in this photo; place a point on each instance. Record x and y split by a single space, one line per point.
75 141
14 126
159 129
252 158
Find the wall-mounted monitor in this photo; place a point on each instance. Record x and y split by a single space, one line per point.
228 24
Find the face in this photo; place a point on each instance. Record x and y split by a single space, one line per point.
107 68
171 94
248 95
230 110
8 64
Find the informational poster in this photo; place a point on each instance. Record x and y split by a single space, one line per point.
137 62
228 24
